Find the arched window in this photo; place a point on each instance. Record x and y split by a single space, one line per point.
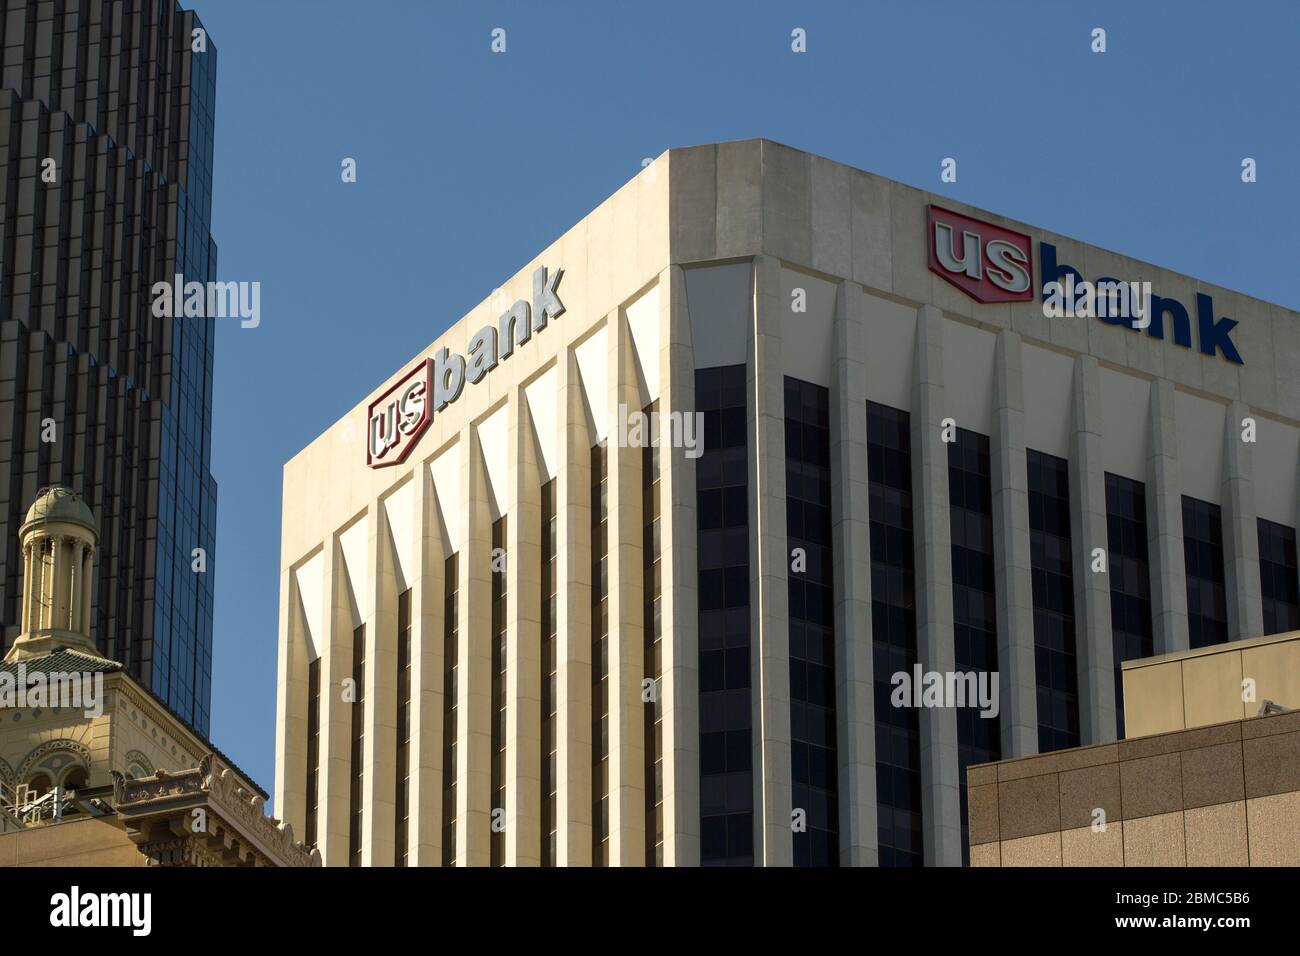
39 784
75 778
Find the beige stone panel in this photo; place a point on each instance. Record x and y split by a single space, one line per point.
573 612
1275 669
1212 689
1273 824
627 755
1155 841
693 202
523 781
679 601
831 207
1286 355
739 198
428 663
1216 835
474 705
872 228
986 854
1153 700
379 837
768 586
910 274
1041 850
786 203
1084 846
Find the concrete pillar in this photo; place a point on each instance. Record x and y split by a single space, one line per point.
87 593
24 618
940 795
474 707
1013 580
523 648
428 669
679 607
291 713
1240 530
573 619
851 538
335 713
626 609
379 760
1164 501
769 598
1094 646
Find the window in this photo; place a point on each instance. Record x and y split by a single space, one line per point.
722 534
548 724
974 601
358 745
497 840
1277 577
450 711
1130 582
403 790
812 622
1207 605
1052 570
654 791
313 748
893 634
599 656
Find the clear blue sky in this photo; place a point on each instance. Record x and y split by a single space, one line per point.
469 163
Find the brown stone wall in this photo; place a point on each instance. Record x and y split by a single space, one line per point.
1224 795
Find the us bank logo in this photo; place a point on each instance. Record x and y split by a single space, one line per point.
993 264
396 419
987 262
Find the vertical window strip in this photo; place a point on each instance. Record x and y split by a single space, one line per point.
974 602
496 819
403 783
313 748
654 787
1207 595
450 710
1280 589
599 656
725 706
1132 633
1052 570
893 634
549 721
812 622
356 814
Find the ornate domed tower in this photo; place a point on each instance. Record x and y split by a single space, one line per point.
57 539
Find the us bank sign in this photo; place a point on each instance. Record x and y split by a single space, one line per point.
404 412
993 264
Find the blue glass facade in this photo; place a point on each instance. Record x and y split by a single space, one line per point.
125 105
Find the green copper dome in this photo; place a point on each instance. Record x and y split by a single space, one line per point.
57 503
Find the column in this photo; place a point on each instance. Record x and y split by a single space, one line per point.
940 796
335 713
379 760
851 539
626 609
1165 524
1240 530
474 733
573 619
1017 687
768 585
87 595
291 713
680 582
1094 646
523 647
427 677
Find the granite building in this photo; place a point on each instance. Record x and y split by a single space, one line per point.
106 134
904 516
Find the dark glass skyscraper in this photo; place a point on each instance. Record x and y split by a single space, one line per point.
106 133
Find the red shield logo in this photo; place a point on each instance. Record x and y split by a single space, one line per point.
396 420
987 262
